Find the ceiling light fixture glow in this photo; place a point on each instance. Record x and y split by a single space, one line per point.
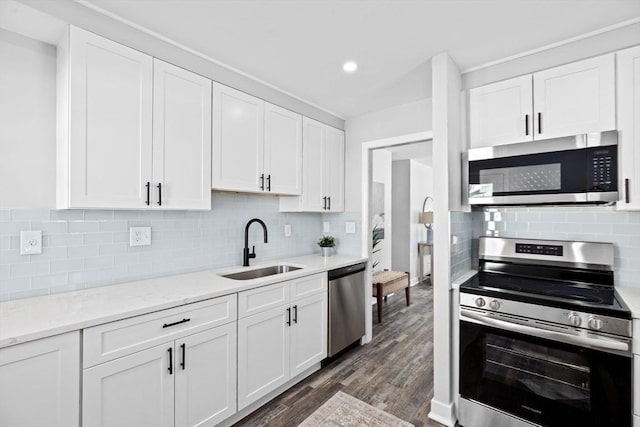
350 67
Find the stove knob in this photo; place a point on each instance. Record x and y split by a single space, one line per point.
494 304
574 319
595 323
480 302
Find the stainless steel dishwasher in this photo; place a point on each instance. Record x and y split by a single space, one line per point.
346 306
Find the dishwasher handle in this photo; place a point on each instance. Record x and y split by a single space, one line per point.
347 271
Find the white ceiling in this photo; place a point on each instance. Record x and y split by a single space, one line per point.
299 46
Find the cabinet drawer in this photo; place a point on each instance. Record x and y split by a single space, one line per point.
260 299
116 339
636 336
309 285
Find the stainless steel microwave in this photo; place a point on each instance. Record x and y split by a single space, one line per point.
576 169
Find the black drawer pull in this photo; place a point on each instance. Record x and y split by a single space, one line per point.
159 194
539 123
526 124
166 325
269 182
148 186
329 201
295 314
183 347
262 181
288 316
170 350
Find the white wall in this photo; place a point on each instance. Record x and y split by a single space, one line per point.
395 121
28 130
381 173
400 215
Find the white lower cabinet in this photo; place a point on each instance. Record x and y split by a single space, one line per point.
40 383
186 380
279 343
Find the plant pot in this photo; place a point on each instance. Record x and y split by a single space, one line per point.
326 251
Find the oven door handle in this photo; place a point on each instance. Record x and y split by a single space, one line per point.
601 343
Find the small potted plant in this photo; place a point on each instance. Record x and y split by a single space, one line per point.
326 243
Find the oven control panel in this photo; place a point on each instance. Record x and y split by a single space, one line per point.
529 248
601 165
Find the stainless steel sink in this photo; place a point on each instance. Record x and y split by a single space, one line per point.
261 272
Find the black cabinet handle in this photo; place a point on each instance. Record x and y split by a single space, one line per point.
329 200
148 186
324 203
166 325
269 182
183 347
262 182
295 314
159 194
526 124
627 198
170 350
288 316
539 123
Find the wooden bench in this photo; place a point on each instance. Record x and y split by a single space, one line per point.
387 282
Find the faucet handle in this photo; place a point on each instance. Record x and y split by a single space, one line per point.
253 252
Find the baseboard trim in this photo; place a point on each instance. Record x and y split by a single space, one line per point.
442 413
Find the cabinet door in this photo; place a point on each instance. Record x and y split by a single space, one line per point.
181 138
110 123
238 132
263 354
333 173
575 98
308 332
312 181
206 377
629 127
135 390
283 150
501 113
40 383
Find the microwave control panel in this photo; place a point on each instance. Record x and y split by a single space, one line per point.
602 169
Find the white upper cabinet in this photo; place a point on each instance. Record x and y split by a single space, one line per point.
575 98
238 133
629 128
104 123
567 100
40 383
257 146
181 138
501 113
282 150
133 132
323 170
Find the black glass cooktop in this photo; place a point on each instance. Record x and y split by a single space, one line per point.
579 295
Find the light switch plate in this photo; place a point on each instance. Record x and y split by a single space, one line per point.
326 227
139 236
30 242
350 227
287 230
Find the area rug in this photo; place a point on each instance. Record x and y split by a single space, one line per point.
343 410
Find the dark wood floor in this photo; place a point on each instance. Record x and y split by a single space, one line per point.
394 372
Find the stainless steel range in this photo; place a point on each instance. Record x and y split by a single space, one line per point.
544 339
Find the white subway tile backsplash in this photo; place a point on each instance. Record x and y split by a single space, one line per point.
91 248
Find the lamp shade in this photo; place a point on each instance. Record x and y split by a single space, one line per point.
426 217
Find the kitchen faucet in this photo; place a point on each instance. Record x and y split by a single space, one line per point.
246 254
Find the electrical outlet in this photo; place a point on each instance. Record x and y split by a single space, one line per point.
350 227
30 242
287 230
139 236
326 227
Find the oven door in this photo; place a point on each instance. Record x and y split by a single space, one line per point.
522 174
542 380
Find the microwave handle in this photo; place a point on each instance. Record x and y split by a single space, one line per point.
601 343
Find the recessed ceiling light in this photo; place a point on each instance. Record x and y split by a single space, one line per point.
350 67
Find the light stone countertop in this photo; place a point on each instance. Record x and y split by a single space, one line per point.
39 317
631 297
